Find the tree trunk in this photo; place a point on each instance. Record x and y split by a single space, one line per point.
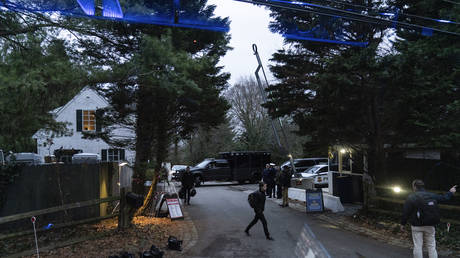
161 152
144 140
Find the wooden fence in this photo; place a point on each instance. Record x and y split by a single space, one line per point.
65 207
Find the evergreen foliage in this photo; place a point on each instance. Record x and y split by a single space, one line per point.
369 98
38 73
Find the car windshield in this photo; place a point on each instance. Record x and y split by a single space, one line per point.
312 170
178 167
203 163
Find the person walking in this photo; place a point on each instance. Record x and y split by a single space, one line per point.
187 182
259 206
285 180
422 212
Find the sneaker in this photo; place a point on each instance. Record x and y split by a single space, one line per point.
247 233
270 238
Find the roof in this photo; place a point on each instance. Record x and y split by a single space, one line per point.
57 111
60 109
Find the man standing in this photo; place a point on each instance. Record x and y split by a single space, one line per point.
266 177
285 179
271 180
259 206
422 212
187 182
279 193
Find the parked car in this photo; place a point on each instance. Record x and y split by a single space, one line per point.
86 158
305 163
238 166
318 173
27 158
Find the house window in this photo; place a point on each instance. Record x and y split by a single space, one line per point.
86 121
89 120
113 155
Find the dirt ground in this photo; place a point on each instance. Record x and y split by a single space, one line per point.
104 239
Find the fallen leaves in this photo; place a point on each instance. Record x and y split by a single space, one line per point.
144 232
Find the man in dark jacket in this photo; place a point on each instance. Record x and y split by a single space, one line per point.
279 188
421 211
285 180
187 182
259 210
269 178
266 176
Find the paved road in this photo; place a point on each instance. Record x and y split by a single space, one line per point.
221 213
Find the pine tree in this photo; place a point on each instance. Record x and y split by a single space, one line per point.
162 82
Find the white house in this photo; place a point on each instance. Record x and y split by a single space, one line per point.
79 114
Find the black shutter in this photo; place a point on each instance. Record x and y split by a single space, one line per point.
98 125
122 154
104 155
79 120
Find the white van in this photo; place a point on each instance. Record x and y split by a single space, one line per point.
86 158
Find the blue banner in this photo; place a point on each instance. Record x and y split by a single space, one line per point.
314 200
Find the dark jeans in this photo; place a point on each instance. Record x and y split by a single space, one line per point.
187 195
279 191
259 215
271 190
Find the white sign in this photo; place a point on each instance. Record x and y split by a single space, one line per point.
435 155
175 211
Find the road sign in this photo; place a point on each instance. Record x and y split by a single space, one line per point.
175 211
314 200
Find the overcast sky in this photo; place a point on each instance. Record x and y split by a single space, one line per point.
249 25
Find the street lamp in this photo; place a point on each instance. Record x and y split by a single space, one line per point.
396 189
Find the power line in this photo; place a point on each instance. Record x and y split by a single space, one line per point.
390 13
368 19
452 2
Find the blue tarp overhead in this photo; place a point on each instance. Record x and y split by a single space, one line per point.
161 12
327 30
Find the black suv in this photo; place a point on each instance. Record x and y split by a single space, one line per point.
305 163
210 170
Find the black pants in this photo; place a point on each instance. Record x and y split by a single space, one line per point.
187 195
259 215
279 191
271 190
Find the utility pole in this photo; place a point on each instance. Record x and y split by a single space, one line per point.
264 97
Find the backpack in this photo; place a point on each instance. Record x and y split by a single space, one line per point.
427 212
174 243
252 200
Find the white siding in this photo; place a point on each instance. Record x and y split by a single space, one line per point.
87 99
